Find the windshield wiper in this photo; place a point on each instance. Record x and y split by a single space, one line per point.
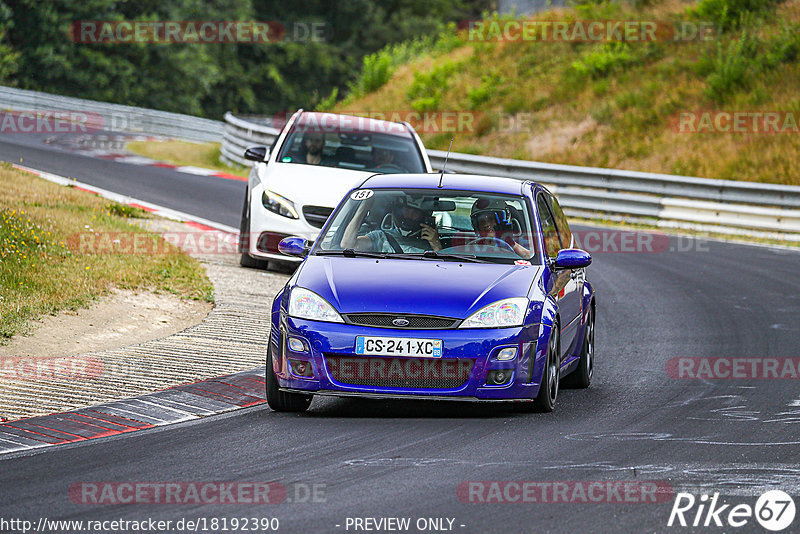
460 257
433 255
350 253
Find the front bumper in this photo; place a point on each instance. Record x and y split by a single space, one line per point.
264 221
468 354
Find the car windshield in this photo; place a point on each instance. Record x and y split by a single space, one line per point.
353 143
435 224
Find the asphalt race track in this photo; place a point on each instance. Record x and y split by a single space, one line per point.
205 196
636 424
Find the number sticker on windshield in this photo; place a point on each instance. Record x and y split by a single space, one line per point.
362 194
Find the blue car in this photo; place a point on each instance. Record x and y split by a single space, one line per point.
430 286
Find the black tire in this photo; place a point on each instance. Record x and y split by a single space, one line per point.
286 267
245 260
581 377
545 400
281 401
248 261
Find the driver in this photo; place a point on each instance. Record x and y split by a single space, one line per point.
406 228
492 221
383 157
312 147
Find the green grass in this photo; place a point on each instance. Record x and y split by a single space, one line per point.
204 155
44 269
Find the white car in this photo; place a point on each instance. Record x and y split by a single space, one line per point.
295 184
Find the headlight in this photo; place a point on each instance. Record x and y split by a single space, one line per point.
277 204
508 312
305 304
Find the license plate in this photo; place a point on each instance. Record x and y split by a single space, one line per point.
398 346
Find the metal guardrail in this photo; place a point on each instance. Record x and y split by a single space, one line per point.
718 205
115 118
681 201
240 134
761 210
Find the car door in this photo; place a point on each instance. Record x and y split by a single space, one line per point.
564 290
573 292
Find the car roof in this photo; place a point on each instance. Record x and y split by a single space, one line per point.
334 122
450 182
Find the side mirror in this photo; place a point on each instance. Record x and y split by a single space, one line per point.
572 258
256 153
294 246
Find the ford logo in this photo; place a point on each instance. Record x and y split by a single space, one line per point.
400 322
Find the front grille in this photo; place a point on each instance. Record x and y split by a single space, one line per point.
416 373
384 320
316 215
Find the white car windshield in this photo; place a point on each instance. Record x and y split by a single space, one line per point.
368 151
432 223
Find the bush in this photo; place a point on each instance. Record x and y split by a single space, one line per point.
601 61
328 103
731 14
785 47
426 90
490 85
732 67
378 68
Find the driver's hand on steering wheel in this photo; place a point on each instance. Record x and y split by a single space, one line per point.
431 235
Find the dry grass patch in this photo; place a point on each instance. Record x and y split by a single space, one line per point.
44 269
204 155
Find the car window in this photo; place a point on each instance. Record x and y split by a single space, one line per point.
490 226
363 151
549 233
562 225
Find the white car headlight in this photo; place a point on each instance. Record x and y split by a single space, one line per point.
278 204
508 312
305 304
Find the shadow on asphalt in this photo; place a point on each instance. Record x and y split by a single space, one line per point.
383 408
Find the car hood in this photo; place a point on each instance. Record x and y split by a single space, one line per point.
311 184
429 287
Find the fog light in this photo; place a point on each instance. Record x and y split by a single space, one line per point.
507 354
296 345
498 377
301 367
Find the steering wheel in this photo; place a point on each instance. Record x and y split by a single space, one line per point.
491 241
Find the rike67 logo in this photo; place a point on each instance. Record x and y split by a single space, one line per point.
774 510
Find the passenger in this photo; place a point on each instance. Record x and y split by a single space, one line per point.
492 222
